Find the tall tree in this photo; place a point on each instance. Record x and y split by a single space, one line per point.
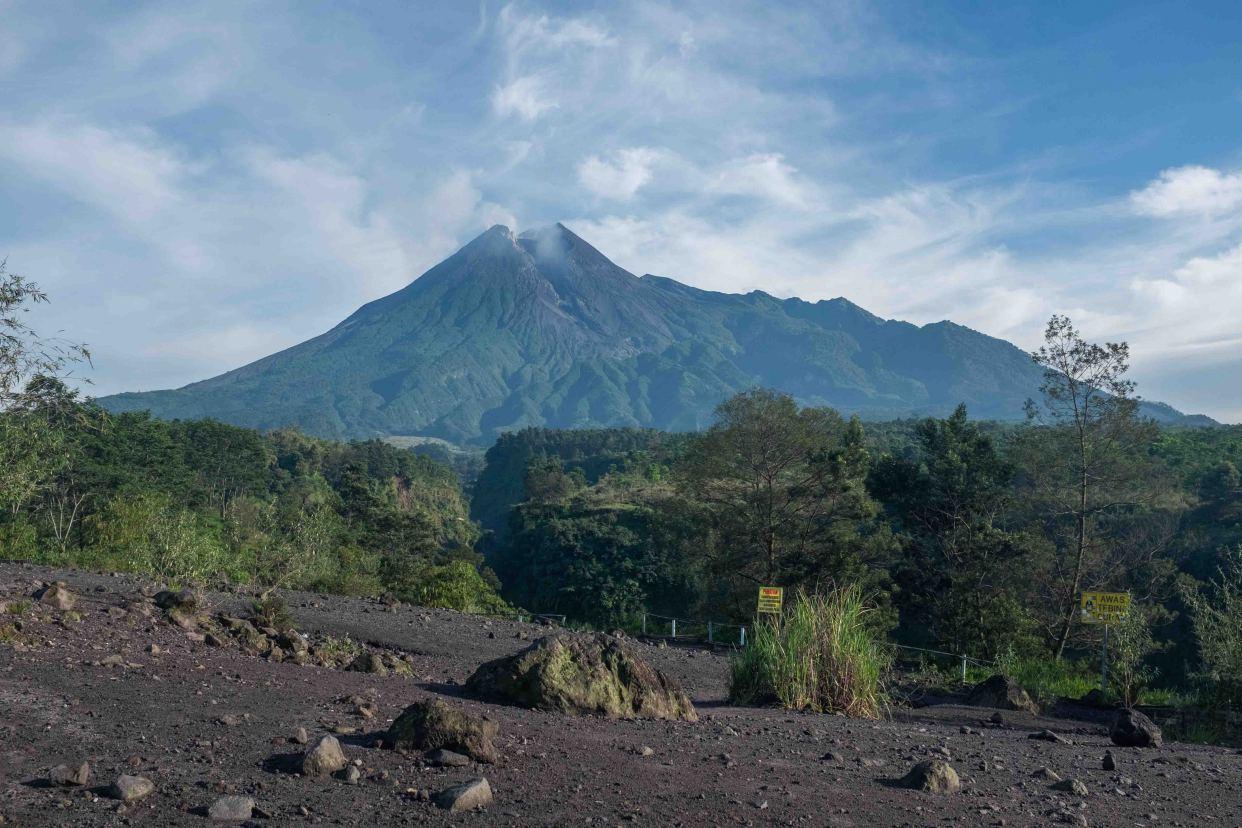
962 569
785 488
1086 465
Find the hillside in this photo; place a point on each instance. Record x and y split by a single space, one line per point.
541 329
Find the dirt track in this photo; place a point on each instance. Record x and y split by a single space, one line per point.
200 721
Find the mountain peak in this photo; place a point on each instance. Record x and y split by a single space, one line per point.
542 329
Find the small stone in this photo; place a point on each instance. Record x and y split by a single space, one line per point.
131 788
70 775
351 775
1047 774
324 758
231 809
474 794
154 649
645 751
1109 762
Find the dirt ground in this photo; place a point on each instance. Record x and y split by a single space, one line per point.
203 721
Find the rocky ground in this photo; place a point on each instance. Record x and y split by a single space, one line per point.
115 684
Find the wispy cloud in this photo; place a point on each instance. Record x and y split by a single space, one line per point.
182 176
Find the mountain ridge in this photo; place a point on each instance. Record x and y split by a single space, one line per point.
541 328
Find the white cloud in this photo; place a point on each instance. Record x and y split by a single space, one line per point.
128 173
525 97
763 175
1194 310
1190 190
619 177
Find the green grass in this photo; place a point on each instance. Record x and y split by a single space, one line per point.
820 656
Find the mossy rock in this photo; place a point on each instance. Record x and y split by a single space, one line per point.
430 725
582 674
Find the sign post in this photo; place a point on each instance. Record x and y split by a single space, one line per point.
770 599
1105 608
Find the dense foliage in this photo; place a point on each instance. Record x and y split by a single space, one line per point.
202 501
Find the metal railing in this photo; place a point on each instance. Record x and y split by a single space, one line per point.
715 632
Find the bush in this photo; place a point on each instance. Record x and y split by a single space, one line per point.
456 585
822 656
1216 614
271 611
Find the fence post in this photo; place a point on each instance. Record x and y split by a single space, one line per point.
674 623
963 669
709 633
742 639
644 623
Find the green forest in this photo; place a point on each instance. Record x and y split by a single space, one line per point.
965 536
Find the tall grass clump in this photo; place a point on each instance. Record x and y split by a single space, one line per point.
821 656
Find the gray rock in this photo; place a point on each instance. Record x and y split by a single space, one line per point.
933 776
1047 774
476 793
131 788
231 809
1001 692
56 596
1109 762
1073 786
324 758
1049 736
442 758
1133 729
70 775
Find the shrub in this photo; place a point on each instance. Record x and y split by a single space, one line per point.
271 611
456 585
1216 614
1130 642
822 656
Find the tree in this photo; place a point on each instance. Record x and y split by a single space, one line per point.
1086 464
34 400
785 488
1216 613
24 354
960 576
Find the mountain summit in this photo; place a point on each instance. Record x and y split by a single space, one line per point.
542 329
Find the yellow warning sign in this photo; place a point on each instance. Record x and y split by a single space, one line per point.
1104 607
771 598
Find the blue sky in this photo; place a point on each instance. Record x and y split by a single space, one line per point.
199 185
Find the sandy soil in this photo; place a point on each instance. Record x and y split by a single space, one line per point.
202 721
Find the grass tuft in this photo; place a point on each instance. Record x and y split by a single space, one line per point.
821 656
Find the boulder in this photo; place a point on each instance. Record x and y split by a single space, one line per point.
1003 693
56 596
231 809
432 724
131 788
369 663
572 673
324 758
476 793
1073 786
1133 729
70 775
933 776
